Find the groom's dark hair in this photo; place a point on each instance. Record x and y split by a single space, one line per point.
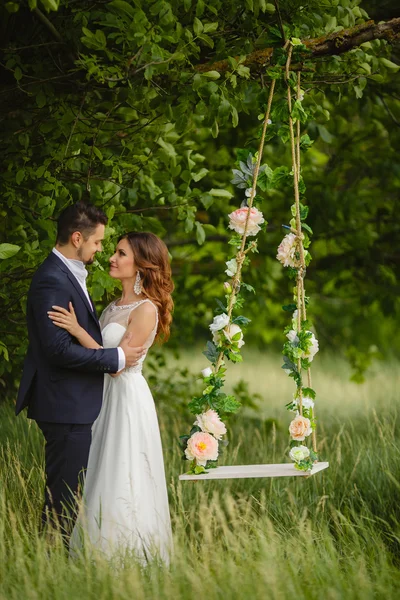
82 217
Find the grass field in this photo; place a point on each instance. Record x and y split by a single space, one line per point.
333 536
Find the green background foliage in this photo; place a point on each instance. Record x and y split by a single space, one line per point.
104 101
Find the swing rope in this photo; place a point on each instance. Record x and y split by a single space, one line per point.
301 271
241 255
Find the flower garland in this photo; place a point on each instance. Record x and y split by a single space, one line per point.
301 345
205 441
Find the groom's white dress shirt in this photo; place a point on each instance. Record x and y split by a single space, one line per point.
78 270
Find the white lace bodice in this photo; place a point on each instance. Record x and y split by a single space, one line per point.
114 322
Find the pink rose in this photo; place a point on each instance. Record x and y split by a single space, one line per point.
287 250
237 220
202 447
211 423
300 428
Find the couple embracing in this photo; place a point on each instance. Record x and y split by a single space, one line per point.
82 383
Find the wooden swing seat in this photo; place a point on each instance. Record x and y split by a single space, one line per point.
254 471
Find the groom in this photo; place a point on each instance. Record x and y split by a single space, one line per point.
62 382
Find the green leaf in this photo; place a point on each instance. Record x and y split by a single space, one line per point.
17 73
200 174
211 352
97 152
389 64
240 320
11 7
123 8
197 26
50 4
211 75
200 233
8 250
220 193
20 176
298 112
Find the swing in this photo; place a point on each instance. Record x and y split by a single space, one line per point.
310 465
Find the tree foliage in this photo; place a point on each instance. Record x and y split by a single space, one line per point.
107 101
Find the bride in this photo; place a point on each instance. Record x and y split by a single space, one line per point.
125 502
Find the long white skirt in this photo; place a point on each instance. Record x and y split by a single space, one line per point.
125 501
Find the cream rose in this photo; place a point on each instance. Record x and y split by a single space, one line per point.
229 333
292 337
299 453
202 447
210 422
313 349
287 250
300 428
231 267
237 220
219 322
307 402
207 372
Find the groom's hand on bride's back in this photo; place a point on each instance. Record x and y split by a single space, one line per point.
132 355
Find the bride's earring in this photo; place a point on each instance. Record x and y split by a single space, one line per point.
137 288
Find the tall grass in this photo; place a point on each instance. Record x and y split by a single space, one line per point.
334 535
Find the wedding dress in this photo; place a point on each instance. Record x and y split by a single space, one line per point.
125 501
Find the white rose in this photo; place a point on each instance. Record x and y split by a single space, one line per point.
292 337
210 422
232 267
298 453
232 330
307 402
207 372
219 322
313 349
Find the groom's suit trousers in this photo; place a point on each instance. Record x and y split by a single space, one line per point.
66 453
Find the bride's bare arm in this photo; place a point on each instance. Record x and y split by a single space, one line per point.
67 320
141 323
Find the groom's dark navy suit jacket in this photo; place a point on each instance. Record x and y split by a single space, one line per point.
62 382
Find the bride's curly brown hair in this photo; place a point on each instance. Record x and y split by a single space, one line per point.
152 261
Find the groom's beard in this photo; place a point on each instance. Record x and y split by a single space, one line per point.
89 261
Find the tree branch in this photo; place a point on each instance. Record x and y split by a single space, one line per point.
332 44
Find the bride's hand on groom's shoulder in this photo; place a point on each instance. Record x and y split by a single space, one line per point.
65 319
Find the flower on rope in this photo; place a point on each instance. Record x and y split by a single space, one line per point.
313 347
232 267
219 322
209 422
300 428
287 250
306 402
229 333
201 447
269 122
227 287
207 372
312 342
292 337
299 453
249 192
237 220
